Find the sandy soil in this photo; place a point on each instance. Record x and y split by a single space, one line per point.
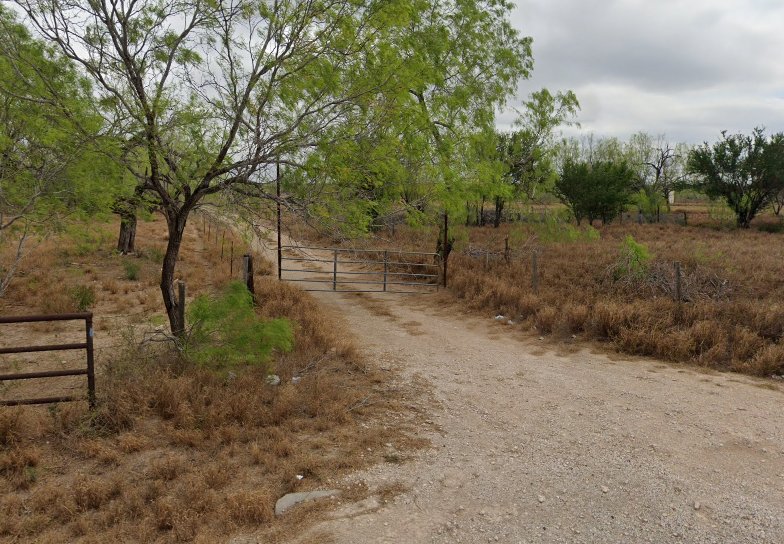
539 442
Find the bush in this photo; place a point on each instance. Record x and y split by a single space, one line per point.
155 254
83 296
633 261
87 238
649 202
554 232
227 332
597 190
131 270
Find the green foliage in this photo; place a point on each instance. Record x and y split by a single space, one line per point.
52 156
155 254
747 171
131 270
527 153
460 236
597 190
83 296
554 230
440 70
87 237
705 255
227 332
633 261
721 213
649 202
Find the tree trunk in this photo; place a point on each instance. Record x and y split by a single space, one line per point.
499 210
480 218
176 225
126 207
126 242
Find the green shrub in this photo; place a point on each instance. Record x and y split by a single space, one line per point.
633 260
555 231
227 332
649 203
87 238
83 296
131 270
155 254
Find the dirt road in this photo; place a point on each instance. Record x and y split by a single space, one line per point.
530 445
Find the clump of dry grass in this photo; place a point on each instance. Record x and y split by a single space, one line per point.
176 452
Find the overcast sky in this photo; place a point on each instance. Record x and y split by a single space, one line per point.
685 68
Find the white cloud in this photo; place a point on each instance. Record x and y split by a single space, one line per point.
686 69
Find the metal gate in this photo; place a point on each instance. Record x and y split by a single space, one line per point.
361 270
87 345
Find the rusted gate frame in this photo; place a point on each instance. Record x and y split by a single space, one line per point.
385 283
86 345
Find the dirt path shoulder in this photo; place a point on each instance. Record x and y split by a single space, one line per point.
530 445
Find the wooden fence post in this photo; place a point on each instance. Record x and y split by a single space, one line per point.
506 249
247 272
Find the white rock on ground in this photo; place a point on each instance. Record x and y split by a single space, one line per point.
292 499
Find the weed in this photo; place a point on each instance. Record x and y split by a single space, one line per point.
87 238
552 231
227 332
633 260
83 296
155 254
131 270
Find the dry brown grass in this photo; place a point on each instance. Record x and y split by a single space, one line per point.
178 453
734 319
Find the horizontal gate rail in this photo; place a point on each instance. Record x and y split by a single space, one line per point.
390 263
388 269
344 282
369 273
353 250
88 371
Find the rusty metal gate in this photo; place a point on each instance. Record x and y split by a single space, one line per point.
87 345
361 270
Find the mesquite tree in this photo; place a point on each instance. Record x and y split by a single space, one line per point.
207 94
745 170
48 127
527 153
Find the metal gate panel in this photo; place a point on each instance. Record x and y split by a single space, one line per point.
397 272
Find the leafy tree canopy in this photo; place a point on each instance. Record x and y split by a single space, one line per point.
747 171
208 95
598 190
